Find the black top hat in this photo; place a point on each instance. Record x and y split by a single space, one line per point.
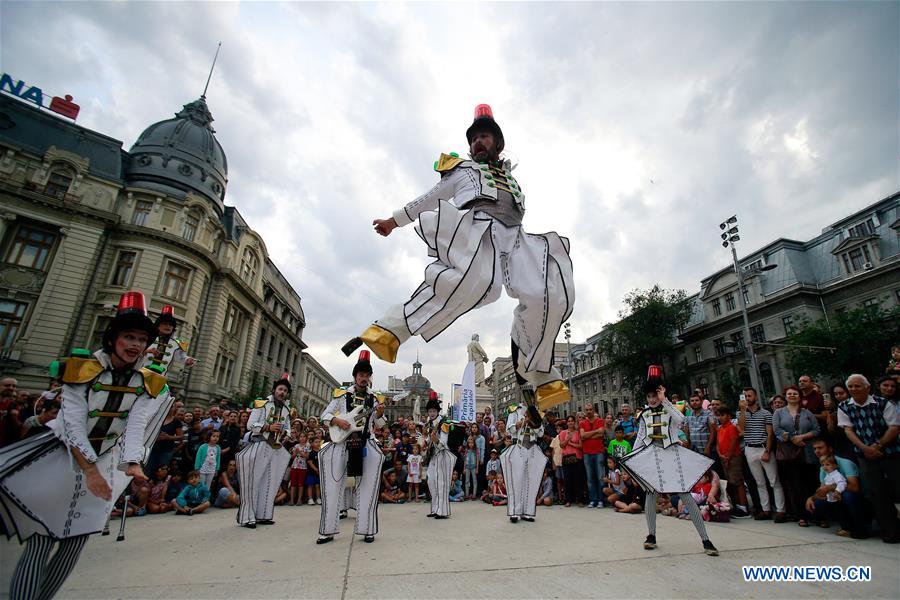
363 363
484 121
654 379
284 380
433 402
130 314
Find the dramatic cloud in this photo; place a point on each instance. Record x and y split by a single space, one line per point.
637 127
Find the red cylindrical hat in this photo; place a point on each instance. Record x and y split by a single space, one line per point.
132 303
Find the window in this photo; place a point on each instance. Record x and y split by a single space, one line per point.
613 379
603 383
719 345
729 301
738 340
865 228
124 268
595 385
767 380
744 378
755 265
99 330
189 228
717 308
698 353
30 247
280 353
871 303
703 384
249 266
262 342
234 318
746 293
175 281
788 322
142 210
58 184
11 315
271 347
758 333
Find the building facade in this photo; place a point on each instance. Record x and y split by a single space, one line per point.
83 220
853 263
315 387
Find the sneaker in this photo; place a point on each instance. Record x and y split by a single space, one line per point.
709 548
311 503
324 539
601 505
843 533
592 505
739 513
318 501
650 542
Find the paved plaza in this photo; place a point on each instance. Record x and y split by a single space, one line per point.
478 553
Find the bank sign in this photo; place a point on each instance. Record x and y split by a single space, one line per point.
34 94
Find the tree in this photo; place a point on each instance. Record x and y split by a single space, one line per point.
862 340
645 334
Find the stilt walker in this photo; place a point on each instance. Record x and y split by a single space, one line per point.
660 464
471 221
262 463
165 355
57 488
439 460
523 463
351 417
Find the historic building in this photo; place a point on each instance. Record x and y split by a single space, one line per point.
83 220
854 262
415 387
314 389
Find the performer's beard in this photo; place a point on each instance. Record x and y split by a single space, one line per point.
482 154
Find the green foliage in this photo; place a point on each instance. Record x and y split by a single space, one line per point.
645 335
862 339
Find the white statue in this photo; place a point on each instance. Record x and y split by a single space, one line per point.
479 357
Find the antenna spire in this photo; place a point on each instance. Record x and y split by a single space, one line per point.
206 87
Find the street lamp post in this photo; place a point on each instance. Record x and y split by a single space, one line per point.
729 237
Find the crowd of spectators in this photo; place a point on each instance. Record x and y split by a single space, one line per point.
808 456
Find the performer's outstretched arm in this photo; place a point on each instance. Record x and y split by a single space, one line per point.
430 200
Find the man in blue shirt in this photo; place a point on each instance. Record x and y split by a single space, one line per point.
850 512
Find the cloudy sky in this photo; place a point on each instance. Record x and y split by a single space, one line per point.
637 128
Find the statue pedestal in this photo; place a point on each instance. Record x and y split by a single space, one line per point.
483 398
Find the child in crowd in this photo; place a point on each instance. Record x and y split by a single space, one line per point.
207 461
228 495
618 447
472 464
156 501
498 491
545 496
414 467
194 498
493 464
456 490
176 484
633 497
391 493
833 477
700 492
615 486
299 454
312 473
486 494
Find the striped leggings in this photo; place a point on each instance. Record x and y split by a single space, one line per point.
689 503
39 577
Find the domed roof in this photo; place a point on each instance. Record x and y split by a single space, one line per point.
180 155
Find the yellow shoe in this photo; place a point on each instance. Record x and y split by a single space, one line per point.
382 342
552 393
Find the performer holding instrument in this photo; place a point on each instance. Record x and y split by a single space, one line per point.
262 463
523 463
439 460
352 451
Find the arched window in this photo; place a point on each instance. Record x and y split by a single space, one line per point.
744 376
703 384
249 266
59 182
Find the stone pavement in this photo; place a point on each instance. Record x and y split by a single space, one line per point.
478 553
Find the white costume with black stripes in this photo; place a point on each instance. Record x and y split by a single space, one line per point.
260 466
43 492
523 466
660 464
471 223
333 470
440 469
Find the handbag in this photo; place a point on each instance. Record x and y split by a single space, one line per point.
788 450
